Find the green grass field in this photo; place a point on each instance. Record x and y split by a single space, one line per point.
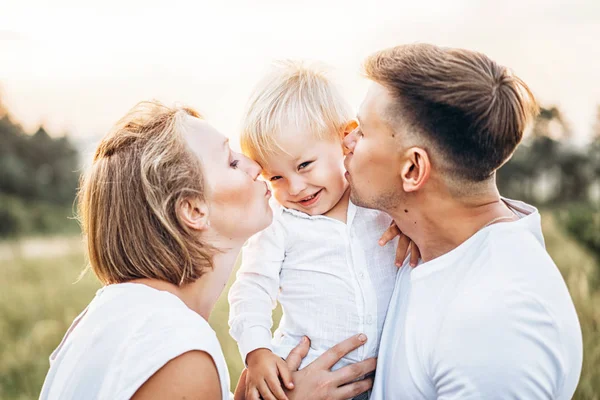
39 298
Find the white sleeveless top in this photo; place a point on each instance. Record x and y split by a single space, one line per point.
126 334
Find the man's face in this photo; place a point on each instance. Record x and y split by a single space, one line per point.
373 163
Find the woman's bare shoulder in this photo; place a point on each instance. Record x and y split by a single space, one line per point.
192 375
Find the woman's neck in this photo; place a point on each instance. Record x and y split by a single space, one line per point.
202 295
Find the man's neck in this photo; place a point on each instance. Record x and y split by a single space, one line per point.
441 224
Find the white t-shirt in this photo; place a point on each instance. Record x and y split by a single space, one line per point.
127 333
491 319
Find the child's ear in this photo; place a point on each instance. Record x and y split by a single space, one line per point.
350 126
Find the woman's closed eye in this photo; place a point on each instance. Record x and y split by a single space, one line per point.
234 164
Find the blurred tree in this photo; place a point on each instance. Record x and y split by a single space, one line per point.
38 178
551 123
594 157
546 169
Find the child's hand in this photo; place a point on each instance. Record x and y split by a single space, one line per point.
264 371
404 243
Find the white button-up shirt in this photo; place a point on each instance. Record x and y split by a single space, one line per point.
332 279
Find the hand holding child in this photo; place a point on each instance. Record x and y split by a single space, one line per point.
404 243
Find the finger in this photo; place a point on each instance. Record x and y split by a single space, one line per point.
414 254
334 354
265 392
294 359
240 390
389 234
285 374
252 394
275 387
352 372
353 389
401 249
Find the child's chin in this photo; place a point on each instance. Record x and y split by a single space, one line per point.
309 210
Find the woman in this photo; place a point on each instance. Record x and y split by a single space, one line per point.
165 209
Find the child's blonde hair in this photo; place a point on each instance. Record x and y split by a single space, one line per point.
294 97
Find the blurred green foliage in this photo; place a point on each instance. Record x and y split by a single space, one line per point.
38 181
546 170
583 222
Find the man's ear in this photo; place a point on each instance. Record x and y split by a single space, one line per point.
193 213
416 169
350 126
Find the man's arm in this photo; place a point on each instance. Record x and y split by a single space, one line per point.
317 381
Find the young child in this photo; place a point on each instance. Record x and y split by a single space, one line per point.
320 259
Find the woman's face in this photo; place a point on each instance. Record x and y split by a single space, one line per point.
238 202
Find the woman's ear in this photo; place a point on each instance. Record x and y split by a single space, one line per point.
350 126
194 214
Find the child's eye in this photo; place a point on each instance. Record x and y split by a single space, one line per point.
275 178
304 165
234 164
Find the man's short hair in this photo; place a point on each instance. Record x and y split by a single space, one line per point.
471 110
293 97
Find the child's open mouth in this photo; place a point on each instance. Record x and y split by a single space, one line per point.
310 200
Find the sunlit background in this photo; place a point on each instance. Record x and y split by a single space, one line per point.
69 69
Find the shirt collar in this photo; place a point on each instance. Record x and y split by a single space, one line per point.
349 216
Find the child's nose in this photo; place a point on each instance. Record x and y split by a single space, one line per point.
296 186
251 167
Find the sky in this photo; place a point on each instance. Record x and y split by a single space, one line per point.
77 66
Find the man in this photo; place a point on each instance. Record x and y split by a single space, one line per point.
487 314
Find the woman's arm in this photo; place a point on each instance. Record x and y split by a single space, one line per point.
192 375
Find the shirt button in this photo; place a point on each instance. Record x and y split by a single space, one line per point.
369 320
361 275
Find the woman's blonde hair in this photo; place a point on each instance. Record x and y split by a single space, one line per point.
295 97
141 172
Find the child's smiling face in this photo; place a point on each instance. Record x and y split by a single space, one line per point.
307 174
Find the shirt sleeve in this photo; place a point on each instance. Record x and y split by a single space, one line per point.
510 349
253 295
